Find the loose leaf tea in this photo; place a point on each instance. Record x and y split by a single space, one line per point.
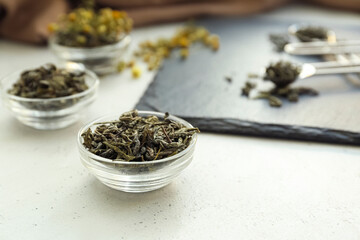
136 138
273 100
279 41
228 79
85 27
291 94
311 33
153 52
49 82
245 91
282 73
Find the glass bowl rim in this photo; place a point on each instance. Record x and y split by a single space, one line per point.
106 160
23 99
52 42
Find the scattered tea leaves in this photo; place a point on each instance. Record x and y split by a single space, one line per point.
273 100
228 79
136 138
253 75
245 91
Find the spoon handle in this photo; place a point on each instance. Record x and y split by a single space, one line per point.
338 69
311 69
322 47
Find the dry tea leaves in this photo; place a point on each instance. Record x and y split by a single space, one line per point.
311 33
85 27
279 41
282 73
228 79
136 138
275 95
245 91
48 81
273 100
154 52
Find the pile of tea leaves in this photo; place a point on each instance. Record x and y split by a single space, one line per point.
136 138
282 74
86 27
311 33
48 81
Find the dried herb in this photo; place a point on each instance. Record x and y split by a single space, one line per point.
292 94
279 41
282 73
253 75
85 27
245 91
89 4
228 79
48 81
154 52
273 100
311 33
136 138
136 71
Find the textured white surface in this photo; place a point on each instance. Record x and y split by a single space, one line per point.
236 187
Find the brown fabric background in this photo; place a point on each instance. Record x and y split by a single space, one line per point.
27 20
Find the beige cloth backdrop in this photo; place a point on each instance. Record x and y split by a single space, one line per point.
27 20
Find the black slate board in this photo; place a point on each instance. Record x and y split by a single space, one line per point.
197 91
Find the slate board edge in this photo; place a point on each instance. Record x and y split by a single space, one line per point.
237 126
248 128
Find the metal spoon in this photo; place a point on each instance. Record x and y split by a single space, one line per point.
323 68
331 50
311 69
318 47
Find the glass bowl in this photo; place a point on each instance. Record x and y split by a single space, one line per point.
101 60
135 177
51 113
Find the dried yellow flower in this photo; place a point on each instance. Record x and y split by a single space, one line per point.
154 52
121 66
136 71
184 53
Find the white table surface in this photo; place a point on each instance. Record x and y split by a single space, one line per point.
236 187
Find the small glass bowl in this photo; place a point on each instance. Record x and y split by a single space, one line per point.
51 113
101 60
135 177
